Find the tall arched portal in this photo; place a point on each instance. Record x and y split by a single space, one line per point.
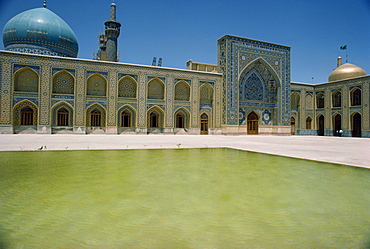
258 92
256 78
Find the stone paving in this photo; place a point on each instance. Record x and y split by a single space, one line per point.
341 150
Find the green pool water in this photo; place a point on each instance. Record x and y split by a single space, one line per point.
180 198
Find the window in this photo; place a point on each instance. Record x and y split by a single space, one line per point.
154 120
320 100
356 97
337 99
180 120
27 116
63 117
126 119
95 118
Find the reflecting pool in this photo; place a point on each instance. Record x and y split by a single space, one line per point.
180 198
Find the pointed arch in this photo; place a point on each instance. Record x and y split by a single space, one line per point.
337 98
295 101
182 91
156 89
96 115
155 117
204 123
337 124
252 123
26 80
308 123
264 63
356 120
320 100
126 116
355 96
320 125
258 81
206 94
96 85
25 113
309 101
127 87
62 114
252 87
182 117
63 82
292 125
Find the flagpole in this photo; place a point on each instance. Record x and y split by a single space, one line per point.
345 48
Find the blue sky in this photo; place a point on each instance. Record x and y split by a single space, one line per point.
181 30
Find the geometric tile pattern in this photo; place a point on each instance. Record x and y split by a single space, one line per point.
237 56
182 91
127 87
26 80
155 89
63 82
96 85
78 85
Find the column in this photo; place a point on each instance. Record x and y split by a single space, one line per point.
194 108
141 104
302 113
79 125
43 125
169 105
345 113
6 97
327 114
112 103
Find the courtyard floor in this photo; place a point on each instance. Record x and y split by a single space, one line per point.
341 150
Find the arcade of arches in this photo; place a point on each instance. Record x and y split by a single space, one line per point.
338 111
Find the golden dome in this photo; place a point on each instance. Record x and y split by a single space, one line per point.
346 71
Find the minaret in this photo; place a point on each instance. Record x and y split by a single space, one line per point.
339 61
112 30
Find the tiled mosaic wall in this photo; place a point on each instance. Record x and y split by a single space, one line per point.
256 77
81 85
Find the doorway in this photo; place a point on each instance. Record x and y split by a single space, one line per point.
356 132
204 124
337 125
252 124
321 126
292 126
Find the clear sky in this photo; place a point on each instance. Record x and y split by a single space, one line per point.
181 30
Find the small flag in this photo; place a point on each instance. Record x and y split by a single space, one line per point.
343 47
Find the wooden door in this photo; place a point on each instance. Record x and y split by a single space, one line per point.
204 124
252 123
292 126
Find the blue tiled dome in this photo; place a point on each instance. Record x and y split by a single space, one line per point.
40 31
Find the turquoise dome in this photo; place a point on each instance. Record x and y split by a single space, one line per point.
40 31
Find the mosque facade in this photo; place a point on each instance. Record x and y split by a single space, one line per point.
46 89
339 107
